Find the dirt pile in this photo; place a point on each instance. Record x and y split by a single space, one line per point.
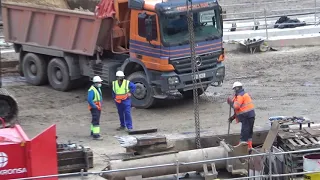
47 3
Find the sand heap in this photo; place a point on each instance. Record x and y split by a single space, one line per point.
47 3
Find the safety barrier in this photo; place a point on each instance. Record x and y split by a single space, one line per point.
269 155
261 17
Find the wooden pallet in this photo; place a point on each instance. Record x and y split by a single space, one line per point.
73 160
300 143
290 170
297 139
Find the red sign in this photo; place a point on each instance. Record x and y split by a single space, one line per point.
21 157
12 162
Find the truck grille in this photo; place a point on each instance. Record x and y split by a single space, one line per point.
183 65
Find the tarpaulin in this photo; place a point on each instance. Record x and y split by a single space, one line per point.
105 9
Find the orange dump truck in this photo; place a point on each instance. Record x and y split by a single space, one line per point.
147 39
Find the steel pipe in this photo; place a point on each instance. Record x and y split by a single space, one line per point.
182 157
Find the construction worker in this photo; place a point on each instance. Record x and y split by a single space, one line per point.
95 100
122 90
244 112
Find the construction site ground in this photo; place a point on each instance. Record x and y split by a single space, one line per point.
283 82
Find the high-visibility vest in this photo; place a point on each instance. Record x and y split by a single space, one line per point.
97 97
122 91
242 104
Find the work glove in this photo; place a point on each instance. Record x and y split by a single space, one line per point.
231 118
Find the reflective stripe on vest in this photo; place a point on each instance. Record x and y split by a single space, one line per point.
97 97
121 91
245 106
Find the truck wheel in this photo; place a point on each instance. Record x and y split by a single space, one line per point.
35 69
189 94
58 75
143 96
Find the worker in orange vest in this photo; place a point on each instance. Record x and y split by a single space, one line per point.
244 112
95 100
122 91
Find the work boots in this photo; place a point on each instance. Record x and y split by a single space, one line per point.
123 128
249 144
120 128
97 137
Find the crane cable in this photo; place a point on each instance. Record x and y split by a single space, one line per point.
194 69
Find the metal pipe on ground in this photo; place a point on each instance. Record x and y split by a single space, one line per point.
8 107
184 156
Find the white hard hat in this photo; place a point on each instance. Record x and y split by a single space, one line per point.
120 74
236 84
97 79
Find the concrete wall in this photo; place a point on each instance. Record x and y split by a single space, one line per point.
273 5
285 41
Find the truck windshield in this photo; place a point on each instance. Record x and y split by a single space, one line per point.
175 27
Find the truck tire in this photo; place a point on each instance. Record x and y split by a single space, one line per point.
35 69
58 75
189 94
143 96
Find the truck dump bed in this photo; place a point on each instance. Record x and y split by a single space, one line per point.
60 29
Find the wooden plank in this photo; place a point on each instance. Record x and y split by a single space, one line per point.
300 142
272 135
151 140
313 140
307 141
144 131
292 142
312 131
71 168
318 138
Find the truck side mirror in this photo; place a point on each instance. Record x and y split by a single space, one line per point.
148 23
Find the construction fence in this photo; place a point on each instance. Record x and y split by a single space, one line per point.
269 156
260 14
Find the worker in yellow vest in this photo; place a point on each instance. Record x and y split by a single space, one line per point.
95 100
122 91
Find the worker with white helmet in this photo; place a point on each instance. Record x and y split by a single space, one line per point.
244 112
122 90
95 100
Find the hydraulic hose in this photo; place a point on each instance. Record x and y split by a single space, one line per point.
8 107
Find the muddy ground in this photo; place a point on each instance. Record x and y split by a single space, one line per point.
284 82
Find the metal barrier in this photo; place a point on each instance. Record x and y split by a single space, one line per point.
269 154
254 14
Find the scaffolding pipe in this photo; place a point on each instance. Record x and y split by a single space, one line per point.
181 157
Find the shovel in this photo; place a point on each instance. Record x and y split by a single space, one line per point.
229 121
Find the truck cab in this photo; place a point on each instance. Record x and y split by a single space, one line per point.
147 39
159 40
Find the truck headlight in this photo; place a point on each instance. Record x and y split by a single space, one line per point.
220 72
173 80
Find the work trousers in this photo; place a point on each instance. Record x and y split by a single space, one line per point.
95 123
124 111
247 129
